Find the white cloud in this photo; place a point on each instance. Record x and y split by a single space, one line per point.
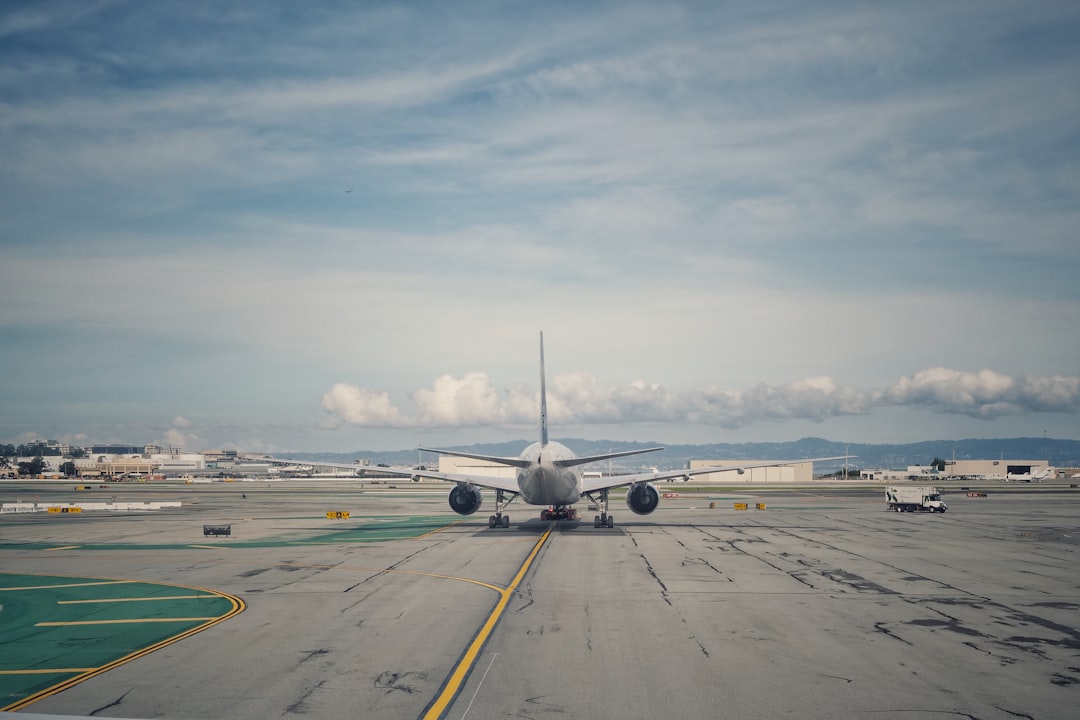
360 406
181 434
578 398
984 394
469 400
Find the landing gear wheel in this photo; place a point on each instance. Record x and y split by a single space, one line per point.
601 501
498 520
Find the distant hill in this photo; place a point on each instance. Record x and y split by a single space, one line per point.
1059 453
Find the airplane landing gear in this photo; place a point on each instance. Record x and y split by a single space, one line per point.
603 519
501 501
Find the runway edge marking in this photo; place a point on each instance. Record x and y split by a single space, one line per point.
238 606
457 677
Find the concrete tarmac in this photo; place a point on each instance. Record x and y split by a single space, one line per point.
823 605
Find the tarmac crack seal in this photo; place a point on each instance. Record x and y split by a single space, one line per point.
392 681
880 627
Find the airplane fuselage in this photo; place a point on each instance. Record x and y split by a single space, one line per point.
543 481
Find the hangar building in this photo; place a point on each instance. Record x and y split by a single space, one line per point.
1001 469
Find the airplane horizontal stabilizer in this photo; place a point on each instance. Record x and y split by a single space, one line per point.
574 462
510 462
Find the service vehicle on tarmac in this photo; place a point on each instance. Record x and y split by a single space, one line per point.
914 498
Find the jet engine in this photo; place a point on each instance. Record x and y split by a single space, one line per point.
465 499
642 498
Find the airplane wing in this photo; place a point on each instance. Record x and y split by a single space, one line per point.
492 482
484 481
510 484
314 463
614 481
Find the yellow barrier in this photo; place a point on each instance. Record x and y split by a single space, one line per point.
742 506
761 506
338 515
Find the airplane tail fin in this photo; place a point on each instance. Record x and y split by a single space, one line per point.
543 396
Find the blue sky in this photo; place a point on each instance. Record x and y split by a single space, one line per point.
340 226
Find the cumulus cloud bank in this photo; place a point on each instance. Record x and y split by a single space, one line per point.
984 394
360 406
580 398
180 434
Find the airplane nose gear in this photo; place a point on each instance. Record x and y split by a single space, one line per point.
501 501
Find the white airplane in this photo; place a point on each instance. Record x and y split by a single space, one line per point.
549 474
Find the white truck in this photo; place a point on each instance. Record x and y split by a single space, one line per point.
914 498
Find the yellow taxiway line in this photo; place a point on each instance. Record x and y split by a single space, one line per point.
67 585
45 671
461 671
122 622
142 599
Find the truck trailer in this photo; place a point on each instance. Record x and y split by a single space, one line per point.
914 498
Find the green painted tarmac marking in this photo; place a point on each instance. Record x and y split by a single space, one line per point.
92 624
336 532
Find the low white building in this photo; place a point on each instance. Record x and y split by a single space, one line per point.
799 472
172 463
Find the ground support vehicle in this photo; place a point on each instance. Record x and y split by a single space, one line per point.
914 498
